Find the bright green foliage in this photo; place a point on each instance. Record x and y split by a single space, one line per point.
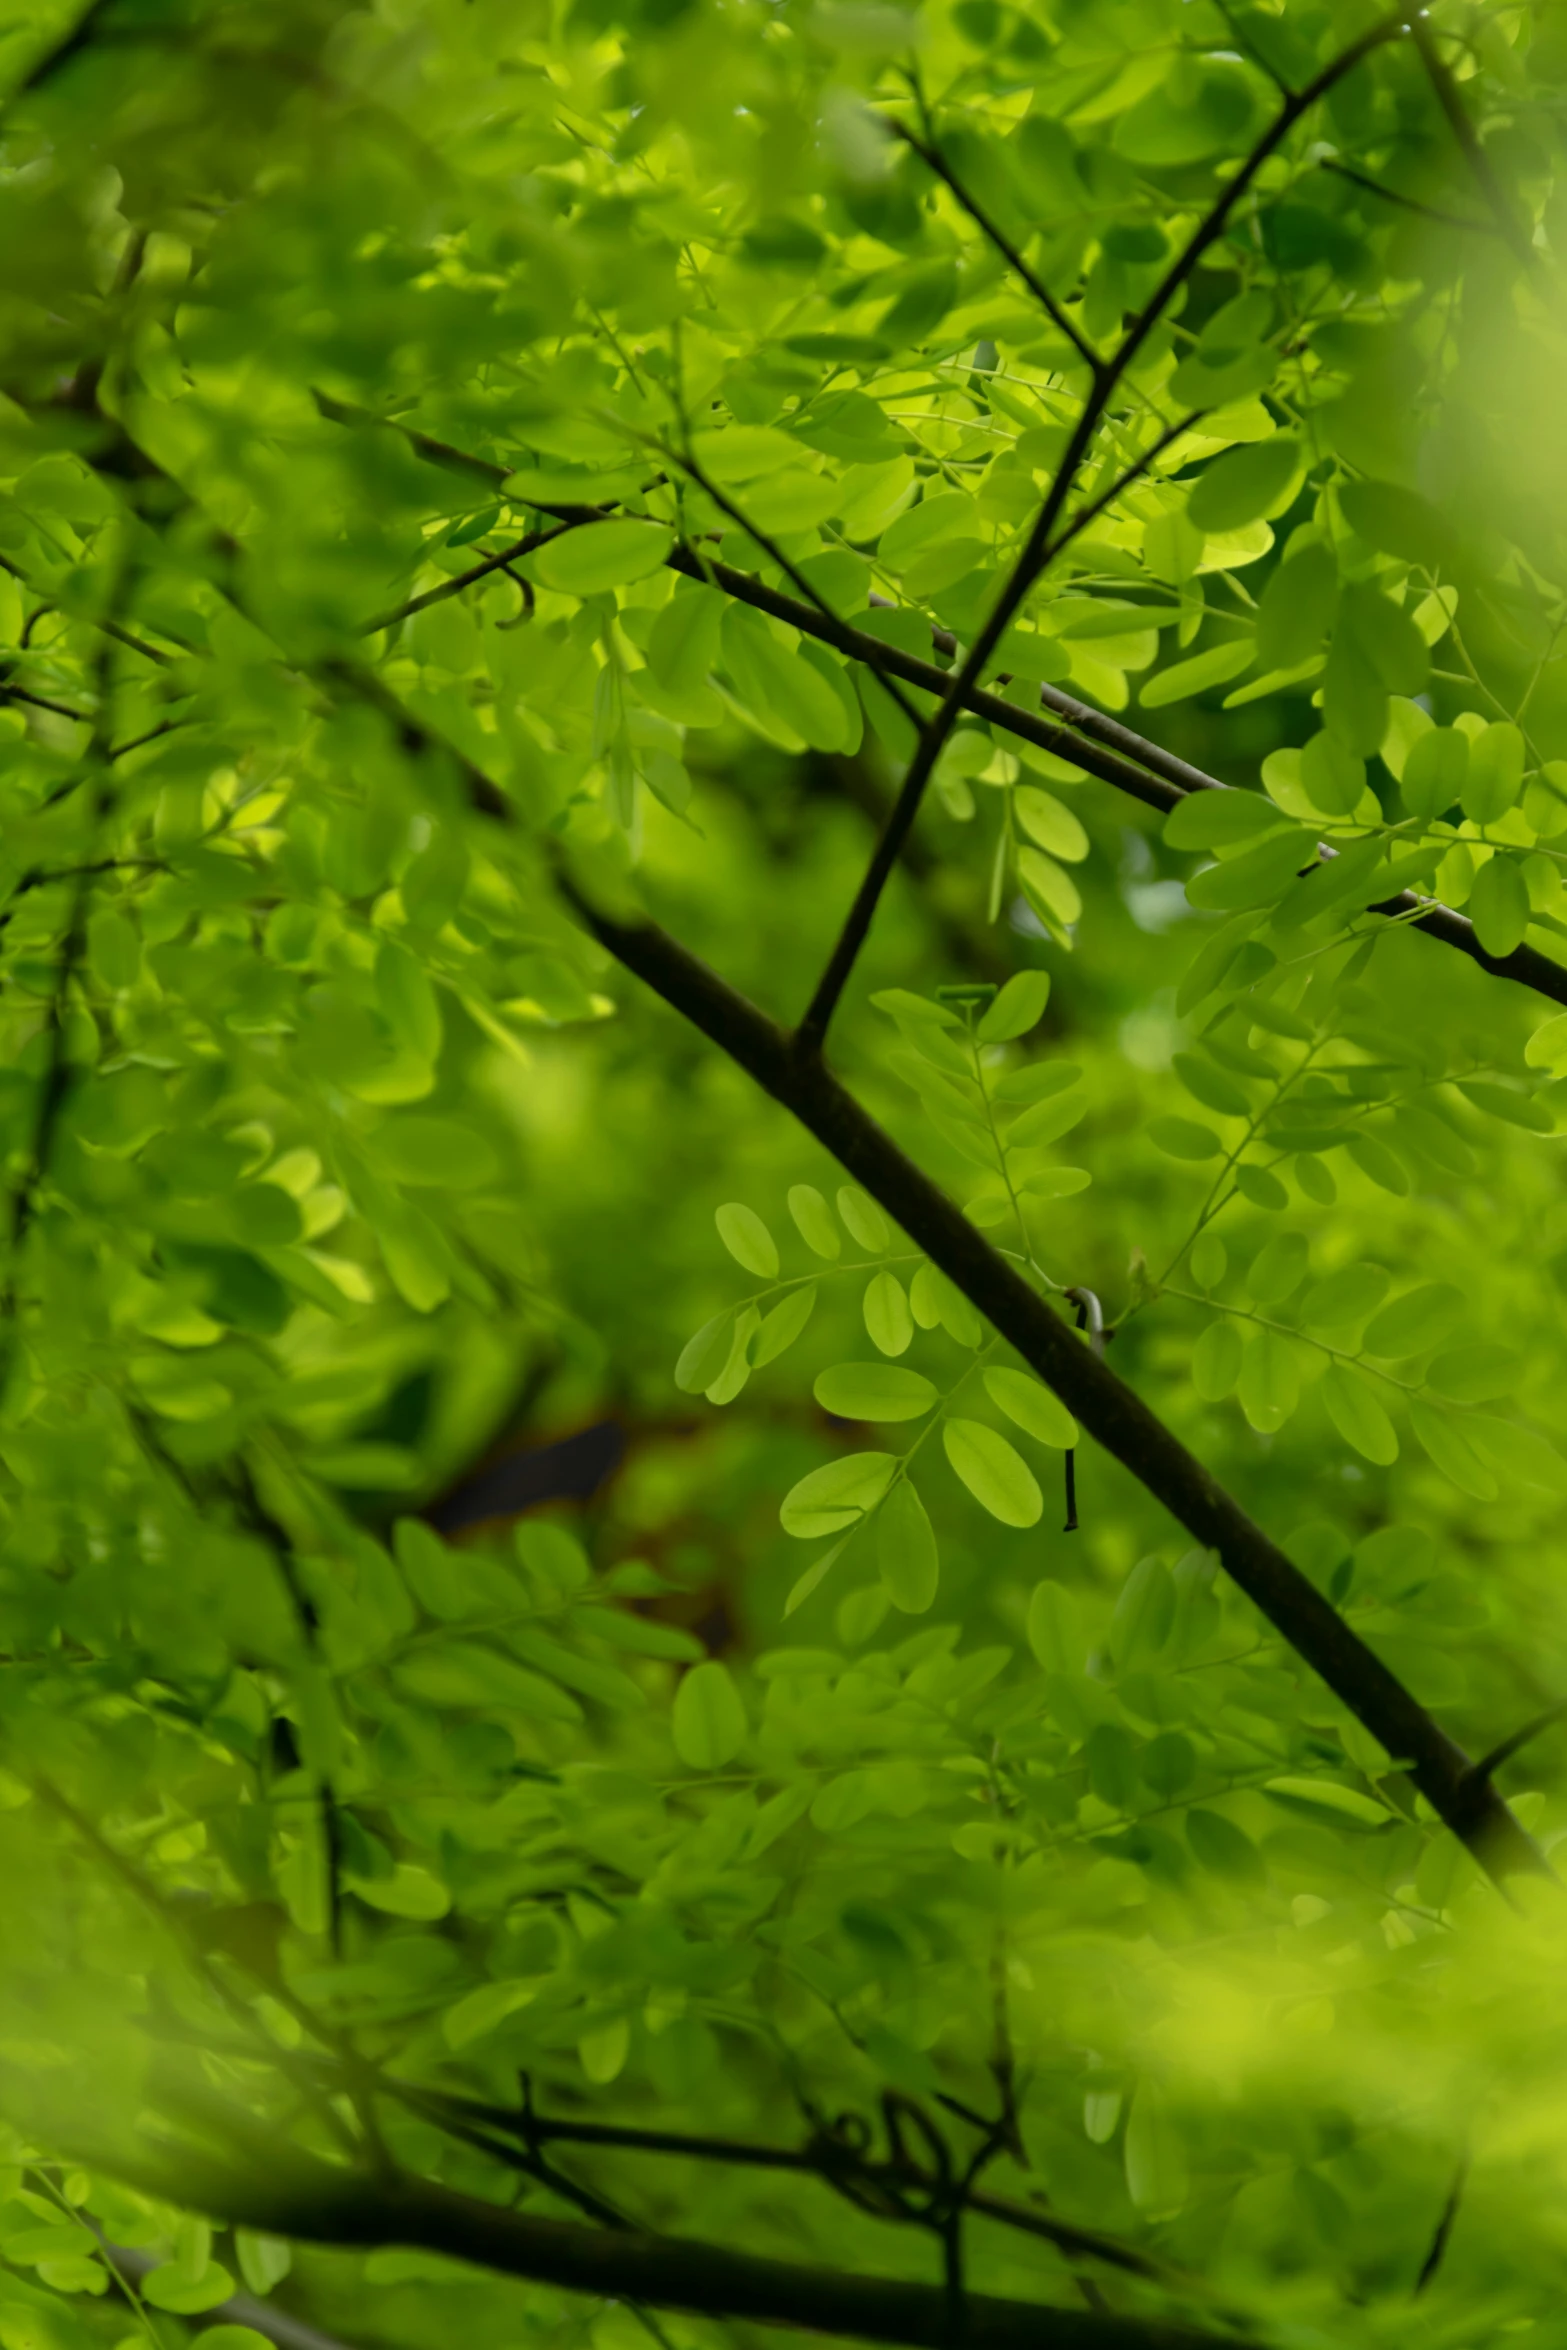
463 462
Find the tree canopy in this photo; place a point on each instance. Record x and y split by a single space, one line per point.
824 742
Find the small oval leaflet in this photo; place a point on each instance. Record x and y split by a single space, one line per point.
1016 1009
747 1239
1055 1630
1244 484
1183 1138
1216 1361
782 1325
1499 905
833 1497
704 1355
997 1475
906 1550
1346 1296
863 1219
888 1322
1277 1269
1047 821
600 556
874 1391
1358 1416
1420 1319
708 1723
1031 1407
1219 819
813 1221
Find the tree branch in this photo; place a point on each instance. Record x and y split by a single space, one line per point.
254 2182
1127 761
934 161
1036 550
1360 179
1110 1412
1463 130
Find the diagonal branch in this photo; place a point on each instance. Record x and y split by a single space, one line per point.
934 161
1110 1411
1463 130
1361 179
1143 770
1036 550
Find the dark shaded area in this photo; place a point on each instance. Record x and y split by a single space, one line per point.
571 1470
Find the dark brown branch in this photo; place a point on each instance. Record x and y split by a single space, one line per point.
254 2182
1109 1411
1036 550
934 161
1444 2227
466 579
1346 171
1463 130
1505 1750
1143 770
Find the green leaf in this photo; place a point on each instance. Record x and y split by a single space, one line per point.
1144 1614
1344 1298
1444 1441
1514 1109
184 2296
1331 776
836 1496
1049 888
1031 1407
1269 1386
1357 1414
1435 773
888 1322
747 1239
1332 1800
1018 1008
1222 1848
1210 1086
1196 676
1495 777
874 1391
1258 877
708 1723
1183 1138
939 1303
1499 905
781 1325
1219 819
1245 483
994 1472
1047 821
1216 1361
1278 1268
704 1356
863 1219
1157 2176
601 556
1055 1632
906 1550
813 1221
1412 1323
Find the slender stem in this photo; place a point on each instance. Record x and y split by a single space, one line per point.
1347 171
